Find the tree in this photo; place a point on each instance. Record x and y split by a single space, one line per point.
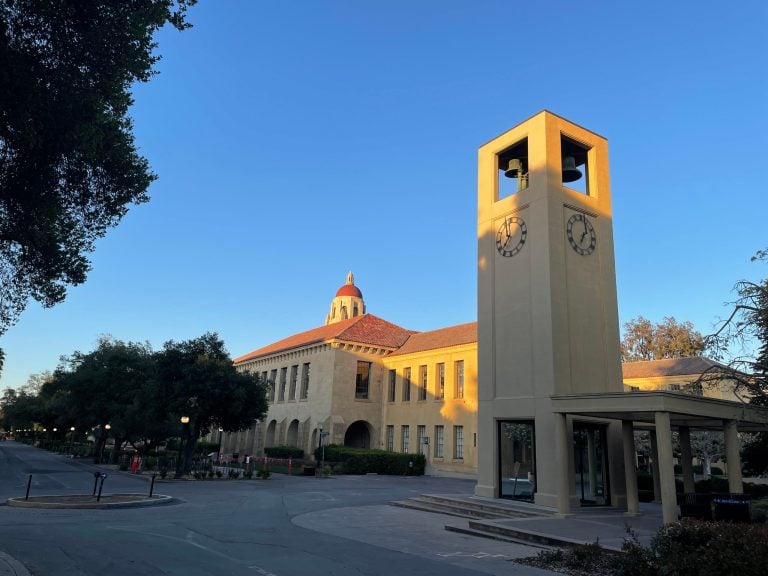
741 345
69 167
644 340
196 379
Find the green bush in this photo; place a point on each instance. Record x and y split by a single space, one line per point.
284 452
364 461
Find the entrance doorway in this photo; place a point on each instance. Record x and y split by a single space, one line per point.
591 464
517 466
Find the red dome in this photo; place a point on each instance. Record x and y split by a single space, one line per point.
349 290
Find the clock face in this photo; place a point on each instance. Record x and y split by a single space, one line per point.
581 234
511 236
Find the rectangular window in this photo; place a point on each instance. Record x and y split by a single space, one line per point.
281 390
272 384
422 382
458 391
421 435
362 380
304 381
439 441
405 438
458 442
440 381
390 438
406 384
294 379
392 385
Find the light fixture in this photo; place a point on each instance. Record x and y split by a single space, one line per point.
185 419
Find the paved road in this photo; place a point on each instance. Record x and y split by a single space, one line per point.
279 527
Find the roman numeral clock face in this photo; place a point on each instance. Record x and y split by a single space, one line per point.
581 234
510 236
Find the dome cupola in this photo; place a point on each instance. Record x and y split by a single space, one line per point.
347 303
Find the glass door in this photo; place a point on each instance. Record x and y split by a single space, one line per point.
591 464
517 467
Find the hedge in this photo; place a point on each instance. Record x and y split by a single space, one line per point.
284 452
364 461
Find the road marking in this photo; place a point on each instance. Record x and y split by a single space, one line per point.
473 555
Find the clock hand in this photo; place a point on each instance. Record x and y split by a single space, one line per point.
583 234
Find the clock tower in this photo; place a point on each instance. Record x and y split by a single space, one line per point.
547 309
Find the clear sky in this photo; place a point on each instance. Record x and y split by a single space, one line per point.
297 140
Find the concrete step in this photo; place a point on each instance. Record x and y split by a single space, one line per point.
498 536
446 508
467 507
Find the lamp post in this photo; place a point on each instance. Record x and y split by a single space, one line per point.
218 452
105 435
322 447
180 461
71 439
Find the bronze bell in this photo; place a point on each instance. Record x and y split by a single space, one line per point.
514 168
570 172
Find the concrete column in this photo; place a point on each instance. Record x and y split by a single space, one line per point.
666 468
630 466
733 456
655 468
686 459
562 445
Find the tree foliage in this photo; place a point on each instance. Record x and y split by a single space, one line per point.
69 167
142 394
644 340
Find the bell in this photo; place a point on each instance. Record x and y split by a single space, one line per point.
570 172
514 168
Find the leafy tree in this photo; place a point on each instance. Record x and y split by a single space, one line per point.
644 340
741 344
69 167
196 379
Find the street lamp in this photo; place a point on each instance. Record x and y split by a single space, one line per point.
71 439
322 446
218 452
180 461
105 435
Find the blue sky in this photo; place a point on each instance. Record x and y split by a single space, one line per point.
295 141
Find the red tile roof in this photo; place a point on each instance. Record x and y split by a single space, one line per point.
443 338
366 329
667 367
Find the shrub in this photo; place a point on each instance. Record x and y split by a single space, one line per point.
284 452
264 473
210 473
363 461
219 474
234 473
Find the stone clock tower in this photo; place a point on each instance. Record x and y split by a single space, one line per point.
547 310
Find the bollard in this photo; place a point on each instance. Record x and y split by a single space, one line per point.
96 476
29 485
152 485
290 461
101 486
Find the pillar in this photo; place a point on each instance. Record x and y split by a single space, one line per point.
686 459
562 446
630 466
591 463
733 456
666 467
655 468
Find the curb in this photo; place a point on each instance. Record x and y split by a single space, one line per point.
11 567
38 502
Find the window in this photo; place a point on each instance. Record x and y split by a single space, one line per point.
405 438
304 381
406 384
362 380
392 385
354 309
390 438
458 442
440 381
458 391
294 379
283 378
421 435
422 382
439 441
272 384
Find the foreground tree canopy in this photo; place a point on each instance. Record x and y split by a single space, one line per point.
644 340
69 167
142 394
